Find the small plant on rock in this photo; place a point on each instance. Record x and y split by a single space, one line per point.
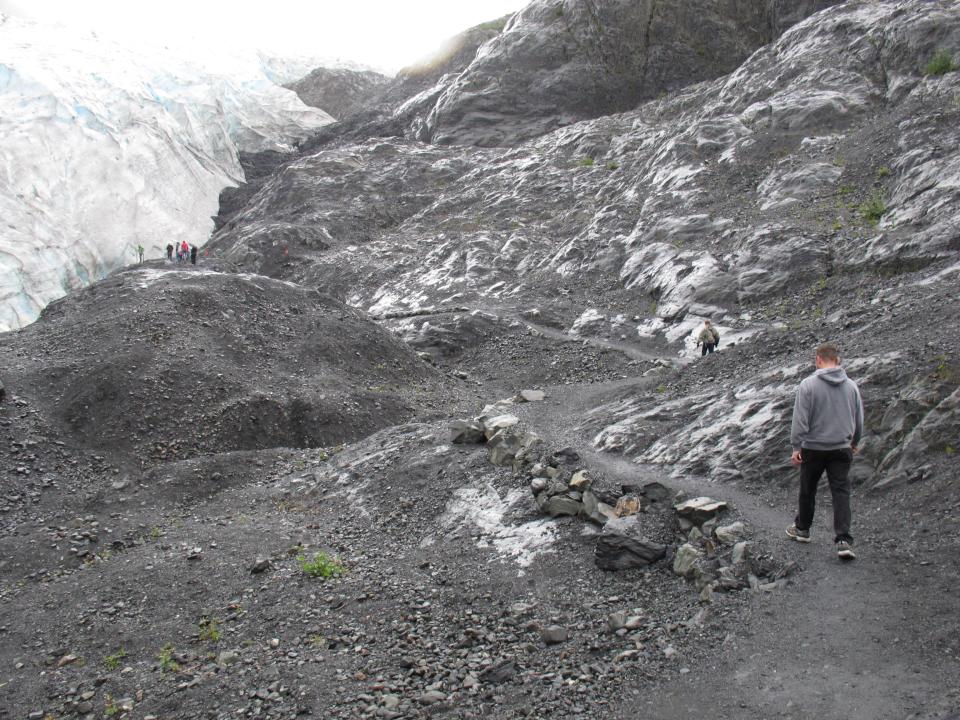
613 166
112 708
320 565
883 172
586 162
209 629
113 661
873 209
165 656
940 64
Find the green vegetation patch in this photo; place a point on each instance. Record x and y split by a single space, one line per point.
940 64
321 565
112 662
873 209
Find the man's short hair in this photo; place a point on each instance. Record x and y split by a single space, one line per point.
828 352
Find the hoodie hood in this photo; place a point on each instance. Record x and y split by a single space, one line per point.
834 375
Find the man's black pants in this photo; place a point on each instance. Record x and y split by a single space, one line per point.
837 464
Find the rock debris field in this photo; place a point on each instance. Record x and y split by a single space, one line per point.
426 433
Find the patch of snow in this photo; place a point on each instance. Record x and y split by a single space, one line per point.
484 509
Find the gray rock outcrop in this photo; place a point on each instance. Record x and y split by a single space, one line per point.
340 92
622 545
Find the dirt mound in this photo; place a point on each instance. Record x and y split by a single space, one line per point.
165 364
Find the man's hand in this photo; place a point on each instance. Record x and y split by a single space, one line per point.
795 458
855 449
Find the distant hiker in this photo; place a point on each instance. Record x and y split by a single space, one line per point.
193 254
3 393
140 253
706 338
185 250
827 426
169 252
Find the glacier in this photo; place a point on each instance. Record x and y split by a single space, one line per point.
104 147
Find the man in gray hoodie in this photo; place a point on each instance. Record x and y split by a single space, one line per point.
827 425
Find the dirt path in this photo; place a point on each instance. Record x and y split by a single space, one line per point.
842 641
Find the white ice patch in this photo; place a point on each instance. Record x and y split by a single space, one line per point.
484 509
151 276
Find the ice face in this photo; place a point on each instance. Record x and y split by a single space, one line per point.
103 148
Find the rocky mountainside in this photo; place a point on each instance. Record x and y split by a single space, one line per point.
339 92
426 433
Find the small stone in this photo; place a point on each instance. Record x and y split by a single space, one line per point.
431 697
67 660
700 509
500 422
616 620
531 395
562 505
628 505
634 621
261 564
686 559
580 480
741 552
466 432
228 657
554 634
729 534
622 546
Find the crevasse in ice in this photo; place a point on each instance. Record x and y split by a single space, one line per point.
103 148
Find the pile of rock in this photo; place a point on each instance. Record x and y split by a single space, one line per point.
715 557
718 557
497 427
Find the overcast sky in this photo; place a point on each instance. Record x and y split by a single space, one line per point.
386 34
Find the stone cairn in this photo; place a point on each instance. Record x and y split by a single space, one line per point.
714 557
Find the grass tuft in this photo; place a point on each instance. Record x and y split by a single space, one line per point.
320 565
873 209
940 64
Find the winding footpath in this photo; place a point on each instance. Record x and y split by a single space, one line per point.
839 642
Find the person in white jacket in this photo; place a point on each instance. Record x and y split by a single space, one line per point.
826 430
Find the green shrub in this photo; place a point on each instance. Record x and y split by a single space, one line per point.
873 209
321 566
613 166
209 629
940 64
883 172
113 661
165 656
586 162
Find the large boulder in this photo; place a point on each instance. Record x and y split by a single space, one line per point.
622 546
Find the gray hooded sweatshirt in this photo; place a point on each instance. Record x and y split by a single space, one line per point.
828 414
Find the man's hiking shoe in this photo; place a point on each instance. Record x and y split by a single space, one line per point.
798 535
845 551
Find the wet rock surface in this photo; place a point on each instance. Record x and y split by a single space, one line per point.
281 486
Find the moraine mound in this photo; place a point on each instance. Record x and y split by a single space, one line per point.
165 364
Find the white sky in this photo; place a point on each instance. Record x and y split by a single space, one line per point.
385 34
